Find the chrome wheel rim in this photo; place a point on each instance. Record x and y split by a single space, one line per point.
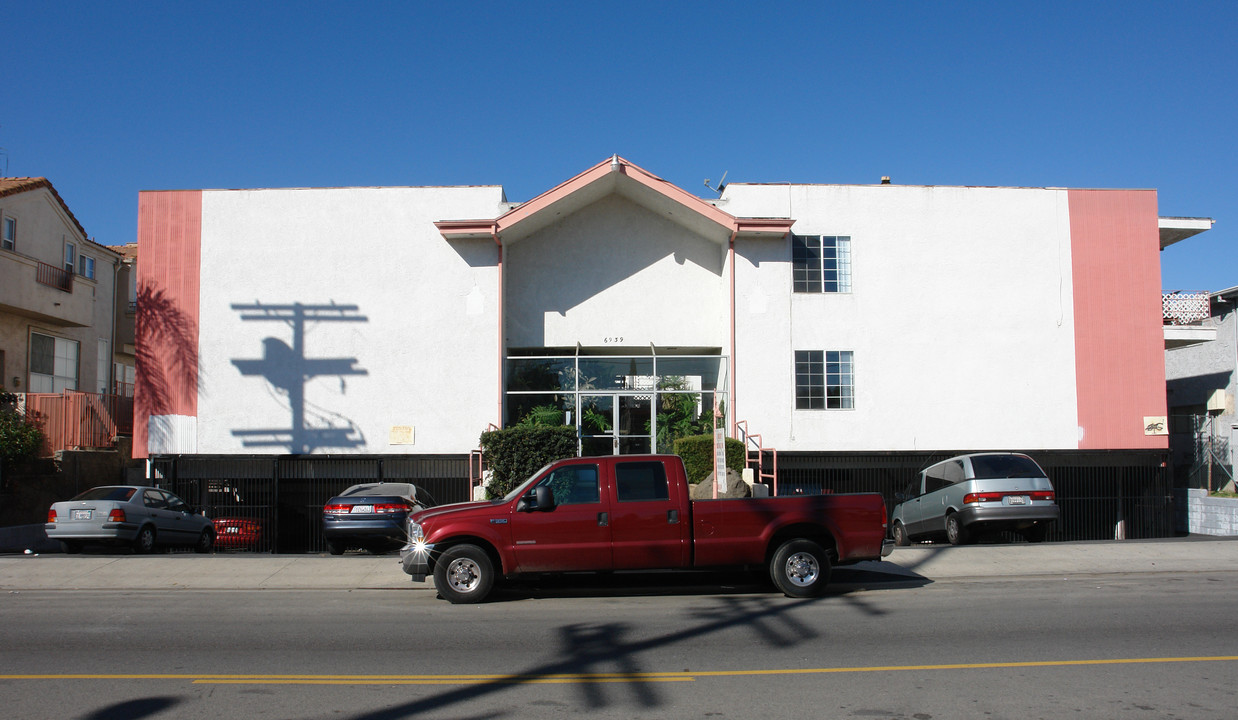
802 569
463 575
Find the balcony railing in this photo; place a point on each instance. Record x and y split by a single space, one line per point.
52 276
72 419
1179 308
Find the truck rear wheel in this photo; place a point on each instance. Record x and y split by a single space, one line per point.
464 574
800 568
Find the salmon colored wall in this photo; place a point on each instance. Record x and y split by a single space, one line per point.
169 253
1119 340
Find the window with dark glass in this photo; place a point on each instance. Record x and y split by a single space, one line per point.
821 263
641 481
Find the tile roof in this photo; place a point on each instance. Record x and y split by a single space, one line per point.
14 185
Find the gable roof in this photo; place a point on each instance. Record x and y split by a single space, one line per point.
615 175
15 185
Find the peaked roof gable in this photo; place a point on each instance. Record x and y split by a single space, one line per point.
15 185
614 175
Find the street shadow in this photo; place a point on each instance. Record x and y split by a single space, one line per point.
133 709
287 369
603 659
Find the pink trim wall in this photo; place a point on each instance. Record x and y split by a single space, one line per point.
1119 340
169 255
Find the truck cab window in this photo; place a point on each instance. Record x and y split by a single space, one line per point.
641 481
574 485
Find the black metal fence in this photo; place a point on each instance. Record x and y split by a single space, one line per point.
284 495
1101 495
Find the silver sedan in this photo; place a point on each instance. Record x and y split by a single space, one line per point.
141 517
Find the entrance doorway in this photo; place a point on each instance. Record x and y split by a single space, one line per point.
615 423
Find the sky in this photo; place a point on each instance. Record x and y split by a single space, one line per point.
106 99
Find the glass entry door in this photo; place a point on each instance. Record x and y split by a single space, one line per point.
616 423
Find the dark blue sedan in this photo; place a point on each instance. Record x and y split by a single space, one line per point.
371 516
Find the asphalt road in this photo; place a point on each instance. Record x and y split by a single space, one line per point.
1137 642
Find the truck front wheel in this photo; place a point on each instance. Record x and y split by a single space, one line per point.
464 574
800 568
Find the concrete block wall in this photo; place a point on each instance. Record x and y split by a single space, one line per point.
1210 515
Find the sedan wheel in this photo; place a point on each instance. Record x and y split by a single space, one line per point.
206 541
144 543
901 538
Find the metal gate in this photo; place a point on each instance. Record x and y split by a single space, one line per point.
282 497
1101 495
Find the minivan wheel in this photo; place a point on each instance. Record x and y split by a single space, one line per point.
900 535
955 532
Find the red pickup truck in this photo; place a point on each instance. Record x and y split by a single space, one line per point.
633 512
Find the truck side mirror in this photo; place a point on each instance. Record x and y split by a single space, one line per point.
545 498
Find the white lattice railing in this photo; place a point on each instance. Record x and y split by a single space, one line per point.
1181 308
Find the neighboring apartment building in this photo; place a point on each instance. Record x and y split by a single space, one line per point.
828 318
1202 380
57 294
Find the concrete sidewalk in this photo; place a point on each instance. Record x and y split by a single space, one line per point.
244 571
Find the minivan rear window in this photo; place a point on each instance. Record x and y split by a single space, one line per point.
1005 466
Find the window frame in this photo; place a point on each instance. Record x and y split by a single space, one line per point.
8 240
61 381
819 269
824 379
70 257
85 266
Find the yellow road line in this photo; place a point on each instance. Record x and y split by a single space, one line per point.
684 676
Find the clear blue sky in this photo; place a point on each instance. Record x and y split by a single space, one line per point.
109 98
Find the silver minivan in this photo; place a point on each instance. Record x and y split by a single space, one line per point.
965 495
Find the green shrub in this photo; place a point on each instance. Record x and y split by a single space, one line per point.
19 439
697 452
515 453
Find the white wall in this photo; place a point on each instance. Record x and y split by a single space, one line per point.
960 318
615 275
428 346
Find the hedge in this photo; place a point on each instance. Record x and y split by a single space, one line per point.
697 452
513 454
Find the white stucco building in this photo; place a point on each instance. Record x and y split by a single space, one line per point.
826 318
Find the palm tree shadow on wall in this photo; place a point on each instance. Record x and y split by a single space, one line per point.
287 370
166 355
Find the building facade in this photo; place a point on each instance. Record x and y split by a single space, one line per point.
828 318
859 331
1202 380
57 294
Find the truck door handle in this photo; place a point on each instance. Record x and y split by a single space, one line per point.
603 519
672 516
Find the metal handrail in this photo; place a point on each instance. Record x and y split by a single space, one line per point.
754 452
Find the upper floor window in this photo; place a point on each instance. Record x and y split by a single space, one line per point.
824 380
86 266
821 263
70 257
8 233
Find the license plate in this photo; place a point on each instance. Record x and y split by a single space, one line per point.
1017 499
81 514
232 530
359 509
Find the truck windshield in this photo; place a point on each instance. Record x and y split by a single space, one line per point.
522 487
1005 466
